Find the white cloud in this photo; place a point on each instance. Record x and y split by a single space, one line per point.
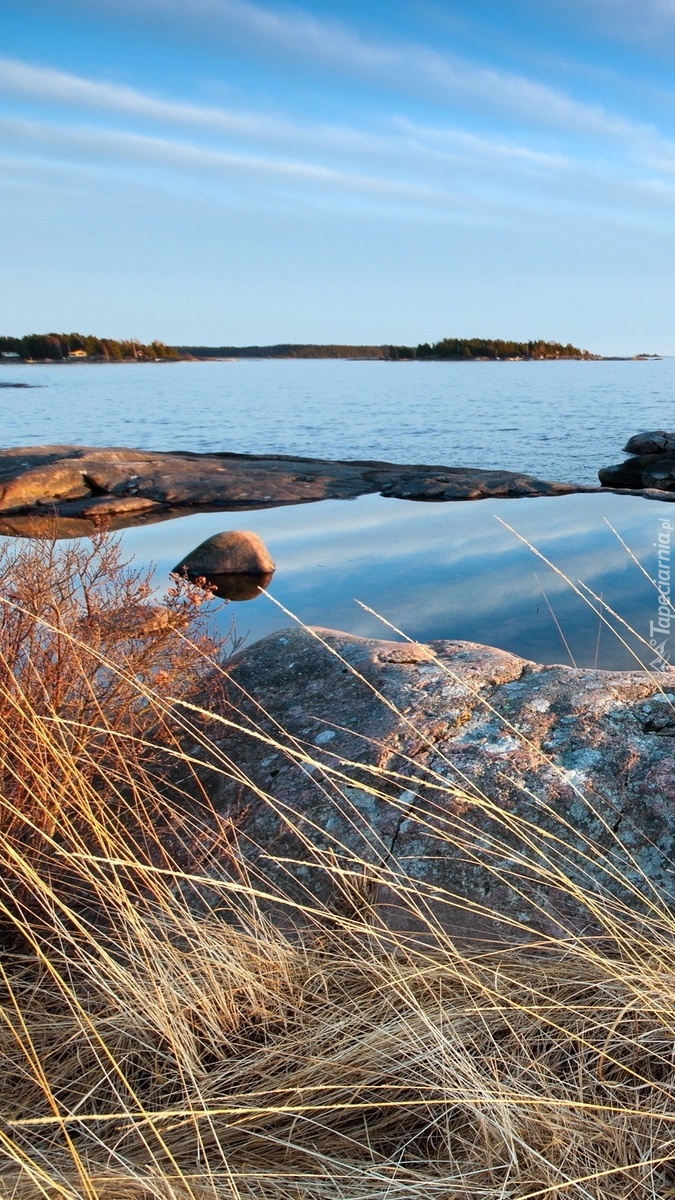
44 85
454 141
402 146
644 24
465 178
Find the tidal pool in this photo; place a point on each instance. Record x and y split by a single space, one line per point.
444 570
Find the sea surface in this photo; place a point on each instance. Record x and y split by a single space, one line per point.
557 420
556 580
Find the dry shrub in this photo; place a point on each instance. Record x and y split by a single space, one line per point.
176 1056
90 672
81 640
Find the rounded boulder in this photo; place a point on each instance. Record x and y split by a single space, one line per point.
655 441
236 552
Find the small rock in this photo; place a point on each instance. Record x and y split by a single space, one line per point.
326 736
408 652
235 552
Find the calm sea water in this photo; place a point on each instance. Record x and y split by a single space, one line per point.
556 420
434 570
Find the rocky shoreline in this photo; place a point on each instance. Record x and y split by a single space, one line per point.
63 490
477 779
464 774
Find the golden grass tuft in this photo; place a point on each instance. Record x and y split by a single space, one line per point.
153 1051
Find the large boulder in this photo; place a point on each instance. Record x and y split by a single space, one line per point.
657 441
660 473
651 465
641 471
234 552
447 783
627 474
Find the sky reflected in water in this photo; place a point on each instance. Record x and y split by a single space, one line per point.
443 570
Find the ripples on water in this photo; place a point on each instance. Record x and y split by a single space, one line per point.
436 570
556 420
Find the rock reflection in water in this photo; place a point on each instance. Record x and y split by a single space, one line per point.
239 587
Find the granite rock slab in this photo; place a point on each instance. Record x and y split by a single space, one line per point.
500 797
75 484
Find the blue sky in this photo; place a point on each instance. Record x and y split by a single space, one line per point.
230 171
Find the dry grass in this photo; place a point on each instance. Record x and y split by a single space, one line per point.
149 1050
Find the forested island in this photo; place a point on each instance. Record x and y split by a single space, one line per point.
61 347
73 347
460 349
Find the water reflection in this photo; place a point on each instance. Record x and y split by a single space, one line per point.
442 570
233 586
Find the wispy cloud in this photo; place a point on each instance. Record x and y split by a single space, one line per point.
41 84
453 141
51 87
402 143
58 87
406 67
472 187
143 150
440 169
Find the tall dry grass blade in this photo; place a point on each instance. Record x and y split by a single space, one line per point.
172 1055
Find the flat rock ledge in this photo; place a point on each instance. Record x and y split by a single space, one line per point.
452 783
64 489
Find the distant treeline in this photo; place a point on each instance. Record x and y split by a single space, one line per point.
449 348
285 350
58 347
465 348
